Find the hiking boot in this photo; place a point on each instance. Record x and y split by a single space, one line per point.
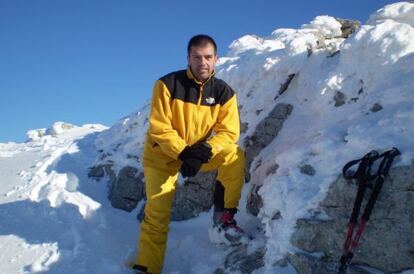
225 230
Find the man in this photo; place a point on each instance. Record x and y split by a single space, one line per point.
193 126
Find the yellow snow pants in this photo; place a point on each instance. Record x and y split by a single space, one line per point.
160 189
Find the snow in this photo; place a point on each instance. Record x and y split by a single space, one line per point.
252 42
57 220
327 25
402 12
124 141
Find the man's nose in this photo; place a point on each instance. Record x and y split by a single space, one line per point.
203 60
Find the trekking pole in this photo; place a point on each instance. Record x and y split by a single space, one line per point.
363 176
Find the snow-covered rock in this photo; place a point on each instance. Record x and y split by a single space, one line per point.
36 134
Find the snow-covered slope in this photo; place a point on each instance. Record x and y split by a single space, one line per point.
54 219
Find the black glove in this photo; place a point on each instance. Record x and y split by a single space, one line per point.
201 151
190 167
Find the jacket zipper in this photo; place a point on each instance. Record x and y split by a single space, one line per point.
196 118
200 96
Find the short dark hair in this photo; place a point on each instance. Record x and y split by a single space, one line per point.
201 40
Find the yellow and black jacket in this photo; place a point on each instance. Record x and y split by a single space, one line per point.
185 111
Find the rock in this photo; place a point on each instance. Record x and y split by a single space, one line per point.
97 172
58 128
194 197
241 261
332 49
254 200
320 40
308 264
244 127
339 99
307 170
309 51
348 26
376 107
35 134
324 40
378 248
332 54
272 169
126 189
285 85
265 132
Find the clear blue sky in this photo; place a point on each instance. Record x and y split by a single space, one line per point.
87 61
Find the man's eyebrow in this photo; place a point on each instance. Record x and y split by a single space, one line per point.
205 55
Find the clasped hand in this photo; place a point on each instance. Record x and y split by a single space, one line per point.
193 157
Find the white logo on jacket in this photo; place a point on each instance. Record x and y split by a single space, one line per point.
210 100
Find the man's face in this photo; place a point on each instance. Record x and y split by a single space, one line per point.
202 61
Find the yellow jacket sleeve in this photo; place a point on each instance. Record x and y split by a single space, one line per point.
227 127
160 122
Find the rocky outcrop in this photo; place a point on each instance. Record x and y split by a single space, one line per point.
194 196
266 131
387 244
348 26
286 84
127 188
325 41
